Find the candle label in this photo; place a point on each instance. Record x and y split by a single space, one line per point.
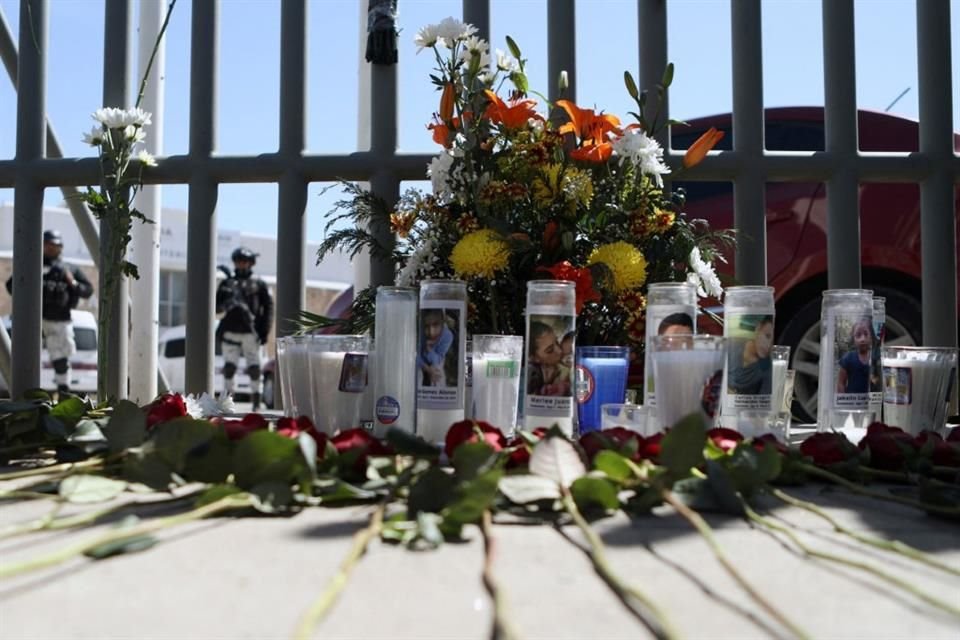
388 410
502 369
850 338
550 346
584 384
749 361
897 385
664 319
441 360
353 373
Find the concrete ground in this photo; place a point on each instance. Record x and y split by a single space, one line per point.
254 577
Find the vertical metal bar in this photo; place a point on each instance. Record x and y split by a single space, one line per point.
28 197
652 49
749 190
561 48
938 230
383 145
840 119
202 199
477 13
116 83
292 191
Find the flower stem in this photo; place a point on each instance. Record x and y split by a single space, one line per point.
899 476
237 501
894 546
706 532
853 487
326 600
653 617
862 566
503 627
59 469
153 53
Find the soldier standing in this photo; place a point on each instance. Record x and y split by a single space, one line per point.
63 287
247 308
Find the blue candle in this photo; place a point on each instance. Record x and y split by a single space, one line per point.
601 378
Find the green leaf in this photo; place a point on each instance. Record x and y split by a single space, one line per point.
614 465
472 458
724 488
470 501
127 427
335 490
667 78
514 49
271 497
432 491
556 459
217 492
146 467
211 462
429 530
682 446
117 547
84 489
631 85
406 443
591 491
53 426
264 456
175 439
697 494
70 410
520 81
87 431
522 489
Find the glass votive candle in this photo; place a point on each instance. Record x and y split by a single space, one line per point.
688 372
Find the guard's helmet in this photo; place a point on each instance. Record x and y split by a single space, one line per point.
243 253
53 237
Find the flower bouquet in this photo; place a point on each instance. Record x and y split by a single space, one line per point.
521 192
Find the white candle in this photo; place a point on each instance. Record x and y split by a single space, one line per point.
334 409
496 387
395 374
681 378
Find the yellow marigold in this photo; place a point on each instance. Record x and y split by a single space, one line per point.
481 253
626 264
571 186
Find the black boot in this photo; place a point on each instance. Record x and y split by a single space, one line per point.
255 401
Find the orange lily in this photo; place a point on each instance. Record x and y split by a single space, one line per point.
446 103
593 152
441 132
698 150
512 115
588 125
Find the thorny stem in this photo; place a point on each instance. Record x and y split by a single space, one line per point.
706 532
894 546
503 627
863 566
855 488
225 504
654 617
326 600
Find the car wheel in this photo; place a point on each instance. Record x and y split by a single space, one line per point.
802 334
267 394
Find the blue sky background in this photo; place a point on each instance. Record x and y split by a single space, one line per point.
249 58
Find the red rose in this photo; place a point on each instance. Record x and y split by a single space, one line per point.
828 448
769 440
954 435
887 445
167 407
520 456
944 454
724 438
293 428
650 448
238 429
593 442
359 440
465 431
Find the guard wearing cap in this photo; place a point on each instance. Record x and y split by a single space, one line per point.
63 287
247 308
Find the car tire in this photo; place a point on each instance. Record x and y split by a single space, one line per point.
802 334
268 389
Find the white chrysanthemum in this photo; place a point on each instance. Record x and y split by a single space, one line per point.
474 47
452 30
703 276
506 62
114 118
418 264
427 36
95 137
134 134
439 172
206 406
644 152
147 158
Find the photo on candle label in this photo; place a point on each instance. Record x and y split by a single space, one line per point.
749 361
668 322
550 355
854 339
353 373
438 353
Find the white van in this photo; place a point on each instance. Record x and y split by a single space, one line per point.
83 364
171 358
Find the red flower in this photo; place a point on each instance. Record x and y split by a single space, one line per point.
954 435
291 428
362 442
239 429
945 454
724 438
465 431
167 407
650 448
520 456
828 448
888 446
582 278
614 439
769 440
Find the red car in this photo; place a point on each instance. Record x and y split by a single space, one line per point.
796 233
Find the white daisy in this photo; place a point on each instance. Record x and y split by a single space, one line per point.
644 152
703 276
